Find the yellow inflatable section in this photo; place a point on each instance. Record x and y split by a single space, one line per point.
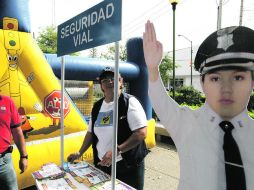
28 79
48 150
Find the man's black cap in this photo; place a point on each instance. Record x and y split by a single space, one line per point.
108 71
231 47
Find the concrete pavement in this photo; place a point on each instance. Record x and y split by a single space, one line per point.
162 168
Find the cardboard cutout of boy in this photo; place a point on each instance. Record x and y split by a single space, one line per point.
207 138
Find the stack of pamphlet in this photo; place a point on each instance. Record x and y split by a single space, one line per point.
63 183
107 186
80 175
74 166
49 170
53 178
86 173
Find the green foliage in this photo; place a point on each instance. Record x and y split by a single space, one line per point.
189 96
93 52
251 105
165 68
251 114
110 53
193 107
47 39
251 102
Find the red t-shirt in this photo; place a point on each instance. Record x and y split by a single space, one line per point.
9 118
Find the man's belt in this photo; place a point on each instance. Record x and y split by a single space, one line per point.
8 150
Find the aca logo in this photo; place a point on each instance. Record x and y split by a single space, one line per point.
52 104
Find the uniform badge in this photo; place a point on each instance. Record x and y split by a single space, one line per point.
225 38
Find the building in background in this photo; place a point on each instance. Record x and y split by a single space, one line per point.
183 68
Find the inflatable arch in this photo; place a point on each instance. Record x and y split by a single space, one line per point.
29 77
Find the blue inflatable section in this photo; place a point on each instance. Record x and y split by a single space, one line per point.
16 9
82 68
135 54
133 71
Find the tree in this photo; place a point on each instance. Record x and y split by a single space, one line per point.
110 53
47 39
165 69
93 52
189 96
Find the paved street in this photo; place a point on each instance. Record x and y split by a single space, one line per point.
162 168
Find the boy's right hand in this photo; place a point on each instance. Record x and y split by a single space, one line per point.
153 49
73 156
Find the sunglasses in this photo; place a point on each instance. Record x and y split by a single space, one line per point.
108 80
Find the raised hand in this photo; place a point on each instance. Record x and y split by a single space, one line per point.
152 48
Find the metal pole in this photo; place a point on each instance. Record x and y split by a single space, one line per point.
241 14
219 15
191 62
53 13
115 117
62 110
174 8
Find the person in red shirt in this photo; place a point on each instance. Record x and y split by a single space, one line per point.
10 123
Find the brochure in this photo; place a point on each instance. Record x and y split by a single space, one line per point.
89 175
49 170
74 166
107 186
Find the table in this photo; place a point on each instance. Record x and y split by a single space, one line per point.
76 176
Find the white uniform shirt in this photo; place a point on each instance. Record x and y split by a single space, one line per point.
103 127
199 140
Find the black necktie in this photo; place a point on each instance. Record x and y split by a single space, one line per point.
233 163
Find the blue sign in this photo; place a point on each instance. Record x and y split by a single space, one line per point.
96 26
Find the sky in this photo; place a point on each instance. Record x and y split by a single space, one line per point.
195 19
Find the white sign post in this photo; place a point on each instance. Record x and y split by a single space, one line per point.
115 116
62 110
96 26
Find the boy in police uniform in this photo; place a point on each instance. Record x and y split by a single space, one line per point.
214 142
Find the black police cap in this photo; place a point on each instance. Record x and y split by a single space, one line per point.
231 47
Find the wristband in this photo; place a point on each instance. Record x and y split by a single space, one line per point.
25 156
